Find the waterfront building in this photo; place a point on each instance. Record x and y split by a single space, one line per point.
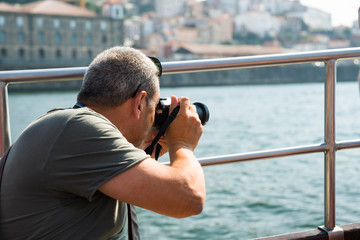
314 18
48 34
166 8
259 22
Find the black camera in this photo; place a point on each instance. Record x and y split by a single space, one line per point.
163 108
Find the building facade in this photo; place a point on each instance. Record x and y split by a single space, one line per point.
258 22
39 40
166 8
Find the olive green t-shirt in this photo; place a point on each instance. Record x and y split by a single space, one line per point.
51 177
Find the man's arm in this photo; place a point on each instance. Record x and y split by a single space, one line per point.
177 190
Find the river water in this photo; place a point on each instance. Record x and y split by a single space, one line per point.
258 198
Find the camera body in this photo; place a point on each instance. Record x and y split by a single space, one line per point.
163 108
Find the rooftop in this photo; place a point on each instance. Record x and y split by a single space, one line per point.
229 50
5 7
113 2
48 7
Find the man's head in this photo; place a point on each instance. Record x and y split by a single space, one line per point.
115 76
123 85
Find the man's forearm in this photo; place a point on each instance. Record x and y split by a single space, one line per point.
184 161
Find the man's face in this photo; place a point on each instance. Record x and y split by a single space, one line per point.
149 117
151 107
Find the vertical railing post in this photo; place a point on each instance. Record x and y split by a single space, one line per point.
5 139
330 140
334 232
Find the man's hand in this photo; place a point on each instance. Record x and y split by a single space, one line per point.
148 140
184 132
186 129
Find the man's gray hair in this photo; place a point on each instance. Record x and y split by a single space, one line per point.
115 75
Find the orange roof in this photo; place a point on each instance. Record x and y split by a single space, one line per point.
53 7
113 2
5 7
230 50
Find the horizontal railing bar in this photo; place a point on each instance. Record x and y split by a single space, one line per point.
340 145
43 75
258 155
215 64
275 153
259 61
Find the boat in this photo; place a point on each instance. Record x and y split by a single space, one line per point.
329 147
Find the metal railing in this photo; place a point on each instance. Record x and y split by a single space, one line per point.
328 147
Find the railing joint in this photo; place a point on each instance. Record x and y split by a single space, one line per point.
336 233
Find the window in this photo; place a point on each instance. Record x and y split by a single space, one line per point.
21 53
88 25
58 53
74 54
3 52
20 21
2 20
73 38
89 39
57 38
56 23
90 54
2 36
103 25
41 37
40 22
104 39
72 24
21 37
42 53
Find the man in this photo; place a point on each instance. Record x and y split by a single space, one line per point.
70 173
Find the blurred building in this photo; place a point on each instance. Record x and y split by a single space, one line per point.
258 22
166 8
46 34
314 18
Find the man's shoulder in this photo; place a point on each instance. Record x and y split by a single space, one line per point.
61 119
79 114
83 121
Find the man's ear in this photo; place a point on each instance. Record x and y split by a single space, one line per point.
140 103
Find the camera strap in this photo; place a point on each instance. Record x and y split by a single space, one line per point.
161 132
2 163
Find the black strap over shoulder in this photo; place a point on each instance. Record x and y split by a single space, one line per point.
2 163
78 105
133 226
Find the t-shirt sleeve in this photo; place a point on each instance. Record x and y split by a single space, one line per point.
89 152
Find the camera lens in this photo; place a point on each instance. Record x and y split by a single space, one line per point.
203 112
